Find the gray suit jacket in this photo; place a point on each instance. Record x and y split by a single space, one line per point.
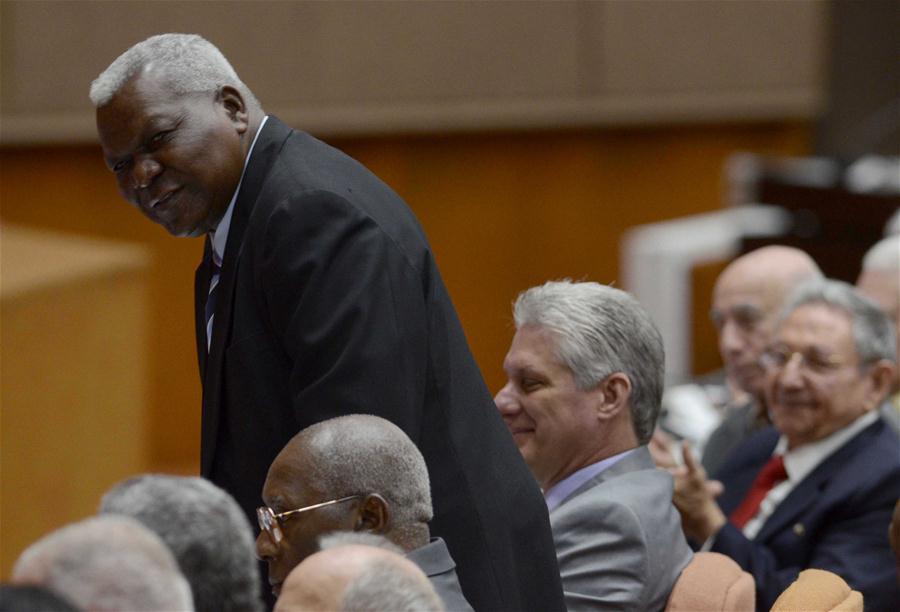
618 538
434 559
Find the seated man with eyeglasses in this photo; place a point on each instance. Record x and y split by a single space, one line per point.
817 489
352 473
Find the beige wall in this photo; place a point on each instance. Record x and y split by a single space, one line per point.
388 66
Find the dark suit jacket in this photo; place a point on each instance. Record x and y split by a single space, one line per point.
835 519
330 303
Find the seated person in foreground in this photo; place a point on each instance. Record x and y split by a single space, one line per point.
817 489
585 372
106 563
205 529
352 473
358 578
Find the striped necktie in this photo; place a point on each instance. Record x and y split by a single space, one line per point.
210 310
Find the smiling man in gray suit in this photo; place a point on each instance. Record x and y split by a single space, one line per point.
585 374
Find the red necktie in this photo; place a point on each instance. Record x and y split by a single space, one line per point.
770 475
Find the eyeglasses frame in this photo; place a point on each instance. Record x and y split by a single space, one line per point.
270 522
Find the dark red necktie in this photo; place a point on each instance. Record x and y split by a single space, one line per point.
770 475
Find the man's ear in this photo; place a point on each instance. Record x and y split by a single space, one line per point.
372 514
881 376
613 393
235 106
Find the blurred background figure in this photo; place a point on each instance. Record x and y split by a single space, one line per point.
106 563
880 281
747 298
817 488
206 531
357 578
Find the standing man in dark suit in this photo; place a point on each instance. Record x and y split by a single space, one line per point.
817 489
318 295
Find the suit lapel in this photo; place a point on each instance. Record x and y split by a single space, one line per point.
201 293
741 469
813 487
266 149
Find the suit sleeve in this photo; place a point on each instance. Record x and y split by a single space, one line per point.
854 548
602 558
348 308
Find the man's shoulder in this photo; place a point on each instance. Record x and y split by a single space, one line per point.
629 495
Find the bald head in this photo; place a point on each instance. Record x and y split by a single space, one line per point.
880 281
746 299
343 577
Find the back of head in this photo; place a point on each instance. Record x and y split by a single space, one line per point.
191 63
205 529
354 577
601 330
32 598
106 563
390 582
361 454
817 590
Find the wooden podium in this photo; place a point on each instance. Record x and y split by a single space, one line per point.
73 378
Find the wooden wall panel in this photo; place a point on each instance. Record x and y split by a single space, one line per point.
364 67
503 212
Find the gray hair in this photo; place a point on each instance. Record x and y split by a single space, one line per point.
873 332
191 64
360 454
206 530
884 255
601 330
384 584
106 563
363 538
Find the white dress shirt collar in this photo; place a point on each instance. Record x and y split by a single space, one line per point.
219 237
556 494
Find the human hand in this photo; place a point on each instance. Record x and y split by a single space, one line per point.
660 448
694 497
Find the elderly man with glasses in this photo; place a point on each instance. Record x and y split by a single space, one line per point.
352 473
816 489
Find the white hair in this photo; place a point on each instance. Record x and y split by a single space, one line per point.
363 538
359 454
601 330
873 332
190 63
387 584
206 530
106 563
884 255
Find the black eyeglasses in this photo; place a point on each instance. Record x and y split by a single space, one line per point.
271 522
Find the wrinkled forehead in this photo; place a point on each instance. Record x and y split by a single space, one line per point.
747 287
